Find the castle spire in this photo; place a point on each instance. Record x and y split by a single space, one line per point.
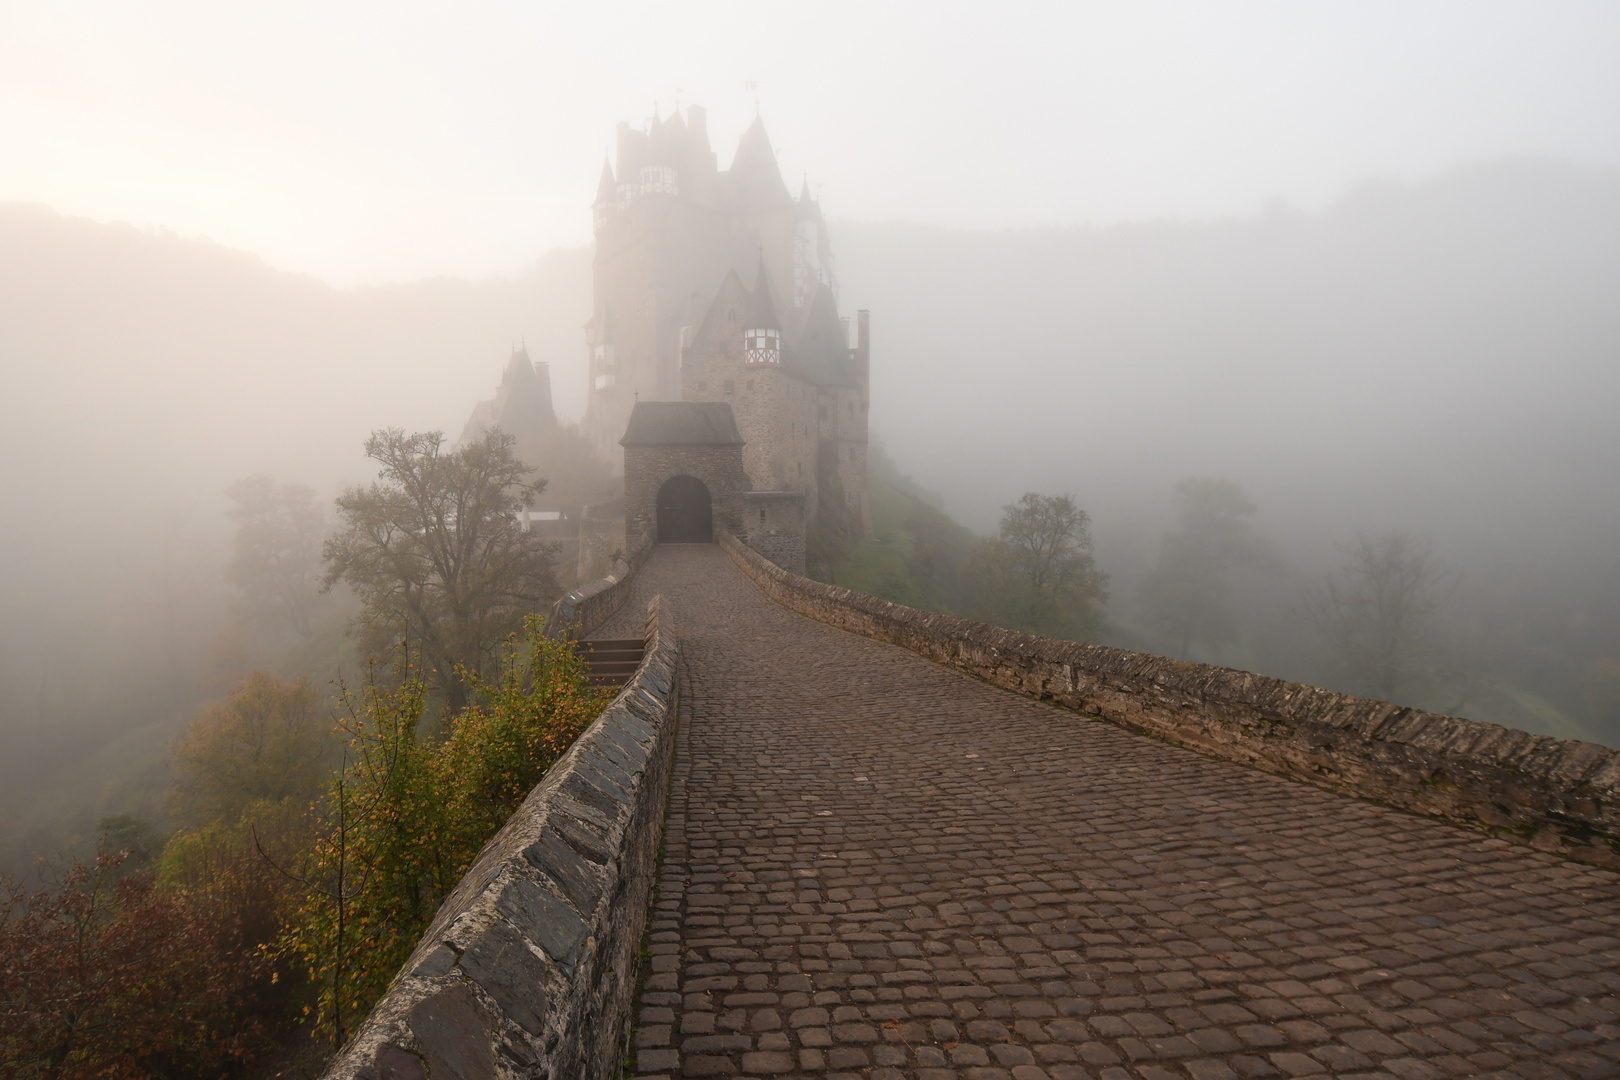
606 196
755 172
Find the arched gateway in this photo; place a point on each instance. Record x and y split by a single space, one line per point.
685 512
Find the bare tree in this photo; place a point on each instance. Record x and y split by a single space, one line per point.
1375 612
437 553
1187 594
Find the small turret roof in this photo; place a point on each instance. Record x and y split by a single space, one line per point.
605 186
763 316
821 353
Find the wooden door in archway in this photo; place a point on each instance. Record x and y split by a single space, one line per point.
685 512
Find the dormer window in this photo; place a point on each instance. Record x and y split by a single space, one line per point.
762 345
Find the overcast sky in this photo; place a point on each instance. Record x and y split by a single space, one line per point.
372 142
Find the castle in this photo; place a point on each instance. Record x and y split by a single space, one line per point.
674 321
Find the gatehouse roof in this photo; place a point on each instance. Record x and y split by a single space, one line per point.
682 423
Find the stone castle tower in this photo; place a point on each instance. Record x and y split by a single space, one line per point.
672 319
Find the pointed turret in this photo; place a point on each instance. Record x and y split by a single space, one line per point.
606 197
521 405
756 177
762 336
805 208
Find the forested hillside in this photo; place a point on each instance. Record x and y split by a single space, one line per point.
145 373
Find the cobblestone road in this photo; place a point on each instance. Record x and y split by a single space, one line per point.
876 867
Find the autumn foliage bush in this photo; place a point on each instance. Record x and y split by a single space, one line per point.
107 975
405 817
278 902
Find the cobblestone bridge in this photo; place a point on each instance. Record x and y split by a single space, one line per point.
876 867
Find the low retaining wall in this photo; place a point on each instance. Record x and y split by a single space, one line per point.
1556 795
529 967
589 606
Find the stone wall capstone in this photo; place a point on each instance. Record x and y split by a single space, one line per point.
529 967
1558 796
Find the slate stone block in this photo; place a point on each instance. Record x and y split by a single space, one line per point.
602 773
453 1032
588 791
437 962
501 962
558 860
392 1063
546 920
582 837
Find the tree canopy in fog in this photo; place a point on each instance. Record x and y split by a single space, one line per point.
437 552
276 557
1187 595
1376 612
1038 574
266 742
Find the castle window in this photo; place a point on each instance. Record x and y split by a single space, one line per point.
762 513
730 386
762 345
659 180
801 468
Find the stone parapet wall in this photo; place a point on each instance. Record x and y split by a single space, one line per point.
589 606
529 967
1555 795
601 539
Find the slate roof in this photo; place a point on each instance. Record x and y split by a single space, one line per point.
764 315
756 179
821 353
682 423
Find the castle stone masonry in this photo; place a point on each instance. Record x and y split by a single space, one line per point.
674 319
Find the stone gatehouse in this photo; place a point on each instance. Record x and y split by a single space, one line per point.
684 481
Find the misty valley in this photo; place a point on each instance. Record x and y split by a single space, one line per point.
281 551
